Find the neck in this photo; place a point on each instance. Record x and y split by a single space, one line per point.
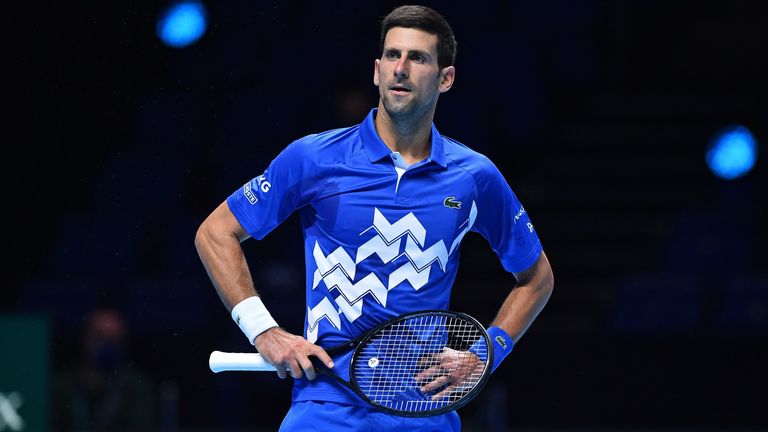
410 137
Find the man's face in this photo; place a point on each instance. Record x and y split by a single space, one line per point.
408 76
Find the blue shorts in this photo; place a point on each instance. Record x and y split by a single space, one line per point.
308 416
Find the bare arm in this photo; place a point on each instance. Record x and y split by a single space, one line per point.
527 299
218 245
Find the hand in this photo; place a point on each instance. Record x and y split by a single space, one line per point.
456 369
290 353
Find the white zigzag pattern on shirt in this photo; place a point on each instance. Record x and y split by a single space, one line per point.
337 270
408 224
416 270
326 264
470 222
351 295
379 246
324 309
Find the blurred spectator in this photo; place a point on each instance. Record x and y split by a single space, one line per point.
104 390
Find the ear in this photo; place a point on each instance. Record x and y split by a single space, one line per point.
447 76
376 72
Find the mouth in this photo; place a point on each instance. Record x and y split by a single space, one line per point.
399 89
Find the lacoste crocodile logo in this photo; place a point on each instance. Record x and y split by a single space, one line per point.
501 342
450 203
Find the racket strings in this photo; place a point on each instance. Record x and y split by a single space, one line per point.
423 363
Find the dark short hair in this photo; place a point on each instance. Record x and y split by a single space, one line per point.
428 20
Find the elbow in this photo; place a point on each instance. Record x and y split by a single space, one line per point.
202 236
539 278
213 234
549 277
547 282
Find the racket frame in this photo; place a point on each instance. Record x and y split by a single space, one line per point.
360 341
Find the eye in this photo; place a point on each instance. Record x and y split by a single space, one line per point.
391 55
418 58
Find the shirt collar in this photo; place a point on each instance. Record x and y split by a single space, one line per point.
377 150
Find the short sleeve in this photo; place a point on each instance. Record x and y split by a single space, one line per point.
503 221
287 185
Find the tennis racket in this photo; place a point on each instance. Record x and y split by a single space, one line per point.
415 365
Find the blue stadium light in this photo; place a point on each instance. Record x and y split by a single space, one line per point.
732 152
182 24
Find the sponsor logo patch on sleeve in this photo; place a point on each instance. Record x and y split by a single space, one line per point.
248 192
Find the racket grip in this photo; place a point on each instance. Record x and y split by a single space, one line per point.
230 361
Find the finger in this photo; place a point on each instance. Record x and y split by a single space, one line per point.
281 372
428 360
443 393
437 383
306 365
295 370
427 373
320 353
474 358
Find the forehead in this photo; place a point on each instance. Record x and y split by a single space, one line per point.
407 39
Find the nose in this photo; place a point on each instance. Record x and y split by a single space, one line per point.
401 68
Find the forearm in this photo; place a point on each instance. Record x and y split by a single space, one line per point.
225 264
526 300
520 309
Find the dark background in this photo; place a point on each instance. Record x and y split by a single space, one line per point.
598 114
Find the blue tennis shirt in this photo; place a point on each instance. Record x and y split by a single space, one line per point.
379 241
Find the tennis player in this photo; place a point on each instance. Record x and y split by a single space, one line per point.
384 206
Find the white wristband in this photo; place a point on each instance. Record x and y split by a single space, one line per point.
252 317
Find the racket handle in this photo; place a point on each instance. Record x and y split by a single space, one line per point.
231 361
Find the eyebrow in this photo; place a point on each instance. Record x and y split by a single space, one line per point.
410 52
